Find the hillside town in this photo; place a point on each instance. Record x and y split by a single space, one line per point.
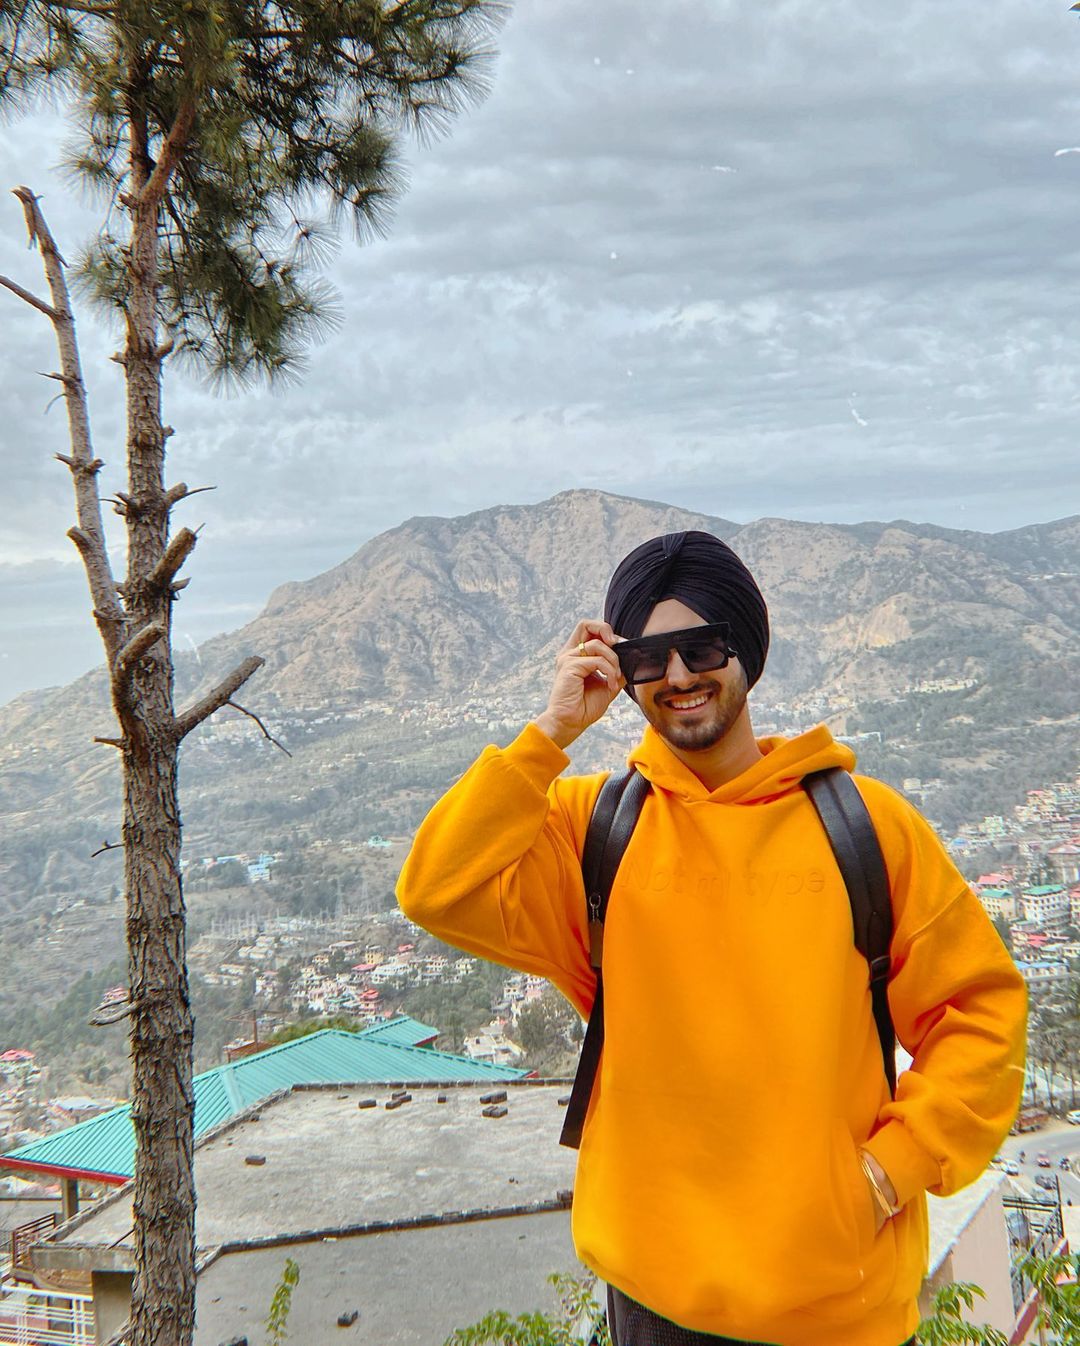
354 967
302 967
297 968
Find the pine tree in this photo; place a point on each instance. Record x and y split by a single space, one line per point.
228 139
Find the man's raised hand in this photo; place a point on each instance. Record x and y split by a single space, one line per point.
587 680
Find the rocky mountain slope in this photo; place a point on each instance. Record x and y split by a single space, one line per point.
385 674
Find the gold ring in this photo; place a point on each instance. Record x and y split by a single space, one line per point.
581 648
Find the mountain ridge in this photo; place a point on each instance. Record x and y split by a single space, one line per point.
386 673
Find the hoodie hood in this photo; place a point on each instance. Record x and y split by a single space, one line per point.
784 763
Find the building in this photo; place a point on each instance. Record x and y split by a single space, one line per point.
1027 938
373 1199
980 1236
443 1189
1065 861
492 1044
17 1065
998 903
1047 905
995 880
969 1241
103 1150
1044 976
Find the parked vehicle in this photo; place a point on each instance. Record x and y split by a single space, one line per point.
1063 1162
1030 1119
1043 1160
1045 1180
1011 1168
1073 1117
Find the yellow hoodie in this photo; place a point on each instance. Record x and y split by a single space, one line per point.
718 1179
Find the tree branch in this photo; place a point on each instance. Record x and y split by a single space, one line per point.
172 148
126 660
31 299
89 534
266 732
181 491
174 556
218 697
94 466
13 43
99 11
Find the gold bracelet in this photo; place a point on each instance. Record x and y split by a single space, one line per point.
884 1204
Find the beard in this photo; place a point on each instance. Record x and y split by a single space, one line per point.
707 727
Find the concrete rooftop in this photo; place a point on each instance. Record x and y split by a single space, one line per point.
330 1165
411 1287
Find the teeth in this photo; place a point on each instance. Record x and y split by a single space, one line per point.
689 705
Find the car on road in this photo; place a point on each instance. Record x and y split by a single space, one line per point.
1043 1160
1045 1180
1011 1168
1073 1117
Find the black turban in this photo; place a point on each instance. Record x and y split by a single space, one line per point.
705 574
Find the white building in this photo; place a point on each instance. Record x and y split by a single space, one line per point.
1044 975
1047 905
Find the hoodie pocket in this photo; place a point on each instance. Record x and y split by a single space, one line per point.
861 1210
873 1250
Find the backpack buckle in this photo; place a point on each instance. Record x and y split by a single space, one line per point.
879 969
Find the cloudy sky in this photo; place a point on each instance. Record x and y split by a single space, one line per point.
815 259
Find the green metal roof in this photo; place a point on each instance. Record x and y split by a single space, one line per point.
401 1032
1044 890
104 1147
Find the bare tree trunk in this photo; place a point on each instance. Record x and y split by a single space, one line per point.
161 1045
135 635
163 1300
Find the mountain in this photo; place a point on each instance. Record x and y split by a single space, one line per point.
441 606
958 652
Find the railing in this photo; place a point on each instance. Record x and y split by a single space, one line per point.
30 1317
24 1236
1042 1233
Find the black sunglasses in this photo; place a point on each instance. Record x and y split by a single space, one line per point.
701 648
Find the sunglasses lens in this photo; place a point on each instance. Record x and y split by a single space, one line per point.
643 665
647 660
699 656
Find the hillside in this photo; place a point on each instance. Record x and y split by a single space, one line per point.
386 674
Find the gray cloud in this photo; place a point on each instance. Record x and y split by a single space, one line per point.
806 259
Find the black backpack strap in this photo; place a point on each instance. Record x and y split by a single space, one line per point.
850 830
596 841
612 824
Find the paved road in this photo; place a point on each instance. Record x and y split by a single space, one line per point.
1060 1141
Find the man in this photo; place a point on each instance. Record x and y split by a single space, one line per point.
744 1173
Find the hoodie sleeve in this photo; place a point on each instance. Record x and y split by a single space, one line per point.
495 869
959 1006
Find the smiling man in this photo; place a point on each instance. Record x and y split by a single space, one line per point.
745 1172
